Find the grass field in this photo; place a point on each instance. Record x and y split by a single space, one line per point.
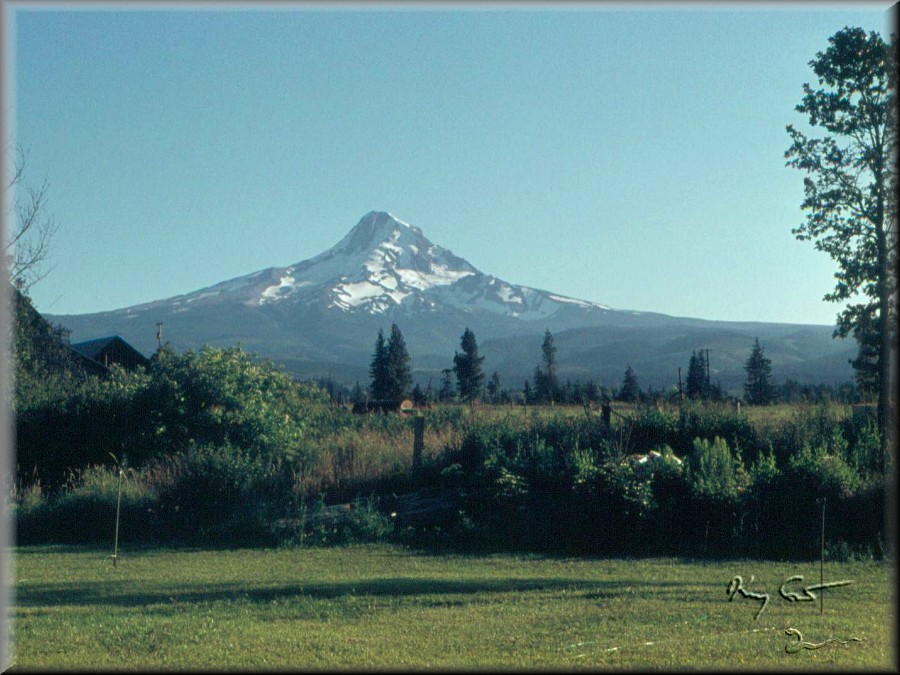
386 607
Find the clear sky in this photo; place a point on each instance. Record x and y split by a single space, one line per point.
631 155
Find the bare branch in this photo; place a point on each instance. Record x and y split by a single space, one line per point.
27 245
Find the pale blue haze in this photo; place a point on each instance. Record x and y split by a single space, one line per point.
628 157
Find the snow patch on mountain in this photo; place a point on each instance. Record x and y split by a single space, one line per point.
579 303
378 264
383 263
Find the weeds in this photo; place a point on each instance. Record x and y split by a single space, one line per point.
546 480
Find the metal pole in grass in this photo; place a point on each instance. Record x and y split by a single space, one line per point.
115 555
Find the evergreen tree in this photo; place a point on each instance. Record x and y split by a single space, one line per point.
419 398
493 387
630 390
379 369
358 395
539 393
467 366
758 389
445 395
399 377
545 383
697 385
567 392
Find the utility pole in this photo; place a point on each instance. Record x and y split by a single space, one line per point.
159 335
680 390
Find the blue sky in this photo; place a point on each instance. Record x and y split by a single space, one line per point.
628 155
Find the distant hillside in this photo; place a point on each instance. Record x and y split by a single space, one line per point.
320 317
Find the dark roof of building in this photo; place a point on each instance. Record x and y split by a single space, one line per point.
101 351
89 364
93 348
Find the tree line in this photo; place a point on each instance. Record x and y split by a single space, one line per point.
391 379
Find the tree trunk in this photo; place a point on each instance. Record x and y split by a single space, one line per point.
886 288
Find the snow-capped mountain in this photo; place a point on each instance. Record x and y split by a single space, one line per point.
321 316
382 264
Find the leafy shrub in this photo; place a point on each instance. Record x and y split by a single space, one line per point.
787 508
818 425
711 469
319 525
221 495
652 428
716 478
672 497
709 420
211 397
864 452
84 510
826 473
227 397
79 430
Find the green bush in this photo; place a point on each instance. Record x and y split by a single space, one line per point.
672 496
226 397
652 428
709 420
318 525
97 417
716 479
820 425
210 397
221 495
865 453
84 510
712 470
786 508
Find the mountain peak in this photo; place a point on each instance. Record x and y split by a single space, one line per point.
379 265
372 229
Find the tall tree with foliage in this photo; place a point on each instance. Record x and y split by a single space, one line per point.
379 370
851 187
866 362
445 393
493 387
45 368
630 390
545 380
758 389
399 376
697 385
467 366
419 398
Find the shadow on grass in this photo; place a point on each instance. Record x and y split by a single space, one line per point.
112 594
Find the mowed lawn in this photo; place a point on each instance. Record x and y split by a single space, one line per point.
387 607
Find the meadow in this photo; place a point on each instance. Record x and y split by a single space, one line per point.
385 606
